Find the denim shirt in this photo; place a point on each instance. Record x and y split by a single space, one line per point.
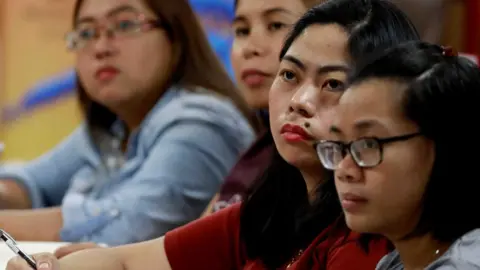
174 163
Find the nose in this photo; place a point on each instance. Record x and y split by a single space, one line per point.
102 45
255 44
303 101
348 170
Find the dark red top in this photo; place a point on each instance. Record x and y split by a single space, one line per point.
249 167
214 243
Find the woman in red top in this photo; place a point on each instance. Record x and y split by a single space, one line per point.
290 220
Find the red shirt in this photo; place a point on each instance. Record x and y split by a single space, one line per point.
214 243
252 164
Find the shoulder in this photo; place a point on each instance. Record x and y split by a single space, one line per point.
202 105
201 108
220 230
463 252
390 261
348 252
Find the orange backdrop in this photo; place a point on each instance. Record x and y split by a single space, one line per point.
32 33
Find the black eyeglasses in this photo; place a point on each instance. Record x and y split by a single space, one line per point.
366 152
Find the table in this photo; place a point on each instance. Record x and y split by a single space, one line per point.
29 247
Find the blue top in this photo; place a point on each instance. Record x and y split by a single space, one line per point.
463 254
175 162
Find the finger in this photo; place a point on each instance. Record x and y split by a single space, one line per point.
45 261
17 263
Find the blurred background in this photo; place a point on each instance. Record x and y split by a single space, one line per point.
37 82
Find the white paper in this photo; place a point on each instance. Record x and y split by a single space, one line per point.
28 247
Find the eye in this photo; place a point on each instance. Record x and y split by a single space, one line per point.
86 33
368 144
241 31
276 26
288 76
333 85
126 25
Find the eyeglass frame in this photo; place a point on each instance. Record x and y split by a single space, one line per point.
144 24
346 147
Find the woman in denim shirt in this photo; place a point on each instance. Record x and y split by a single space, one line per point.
164 125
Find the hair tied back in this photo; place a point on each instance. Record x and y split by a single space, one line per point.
449 51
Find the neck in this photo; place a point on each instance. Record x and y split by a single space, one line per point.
313 178
419 252
133 115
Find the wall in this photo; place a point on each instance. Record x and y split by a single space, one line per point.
32 49
33 32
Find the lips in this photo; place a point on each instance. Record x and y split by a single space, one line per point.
254 77
106 73
352 202
295 133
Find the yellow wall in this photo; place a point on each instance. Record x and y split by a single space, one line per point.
33 32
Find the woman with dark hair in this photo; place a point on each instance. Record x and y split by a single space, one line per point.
398 139
164 125
259 30
283 223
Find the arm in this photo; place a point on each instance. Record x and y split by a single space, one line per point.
145 255
212 242
32 225
13 195
43 181
184 167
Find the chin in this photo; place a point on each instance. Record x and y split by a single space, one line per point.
298 156
360 223
257 100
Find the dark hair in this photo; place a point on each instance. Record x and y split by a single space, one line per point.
276 218
196 63
441 97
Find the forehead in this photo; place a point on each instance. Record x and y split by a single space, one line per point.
101 8
371 99
321 44
257 7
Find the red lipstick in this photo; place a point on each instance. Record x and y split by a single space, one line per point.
294 133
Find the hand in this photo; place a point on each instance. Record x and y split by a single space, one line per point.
65 250
45 261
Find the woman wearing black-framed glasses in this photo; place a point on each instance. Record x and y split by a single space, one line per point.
401 147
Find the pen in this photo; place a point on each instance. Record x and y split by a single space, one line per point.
13 246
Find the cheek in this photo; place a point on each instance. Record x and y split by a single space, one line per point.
83 64
277 44
236 56
321 123
148 57
401 178
279 99
84 67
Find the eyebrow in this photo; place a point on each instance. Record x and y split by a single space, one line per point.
242 18
359 126
320 69
112 12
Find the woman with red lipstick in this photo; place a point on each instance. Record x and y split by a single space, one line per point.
164 125
259 29
402 167
290 219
